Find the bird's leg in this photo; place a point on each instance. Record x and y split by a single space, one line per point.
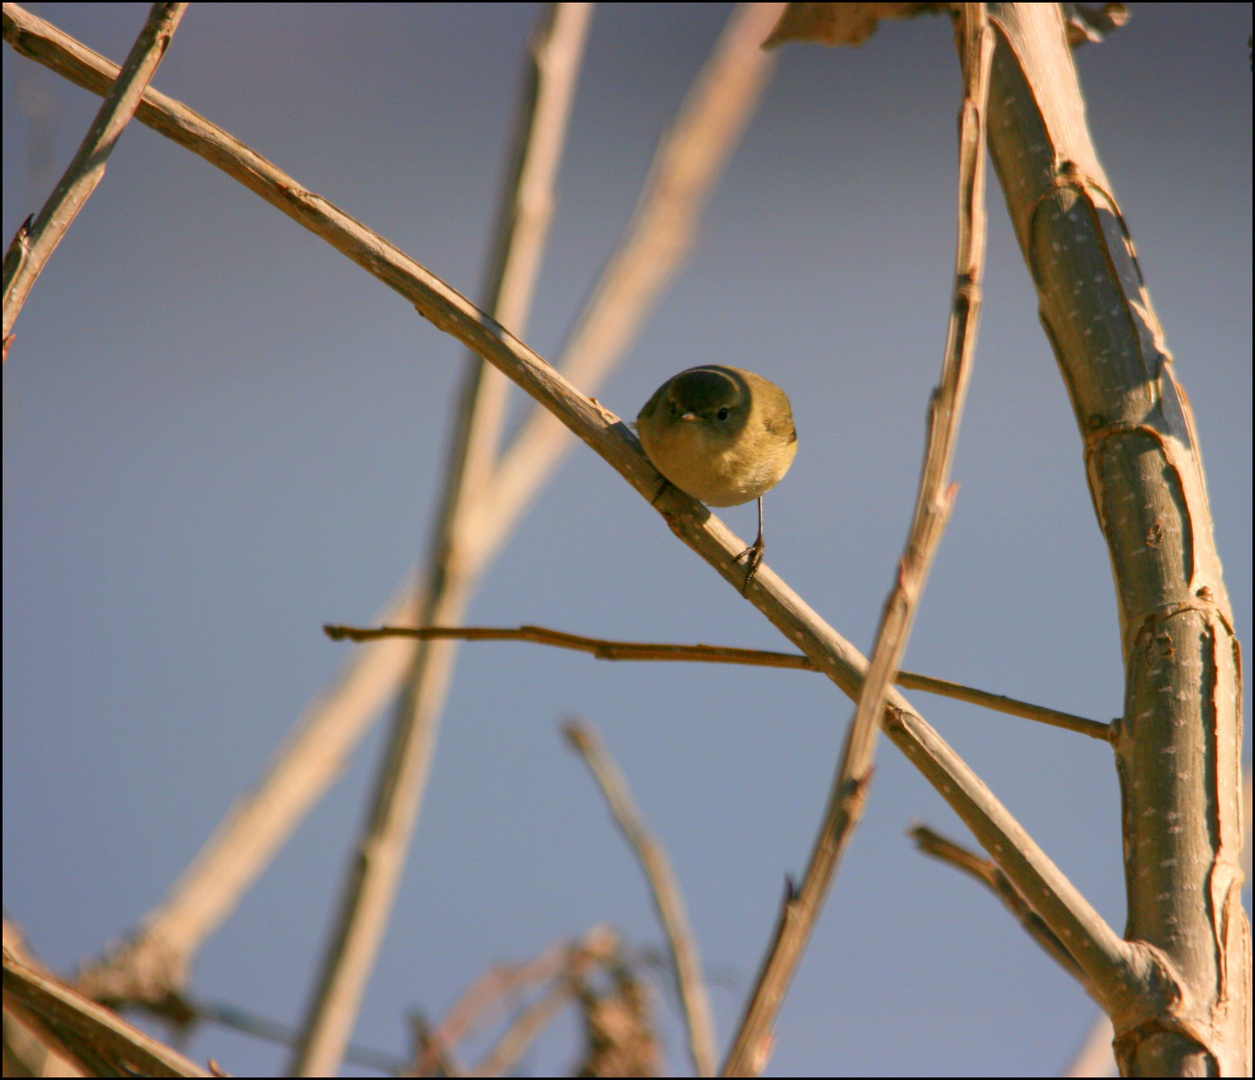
754 552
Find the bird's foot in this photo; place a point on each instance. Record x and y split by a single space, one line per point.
754 557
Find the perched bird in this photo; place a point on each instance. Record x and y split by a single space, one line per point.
724 436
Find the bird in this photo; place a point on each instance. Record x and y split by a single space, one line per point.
723 435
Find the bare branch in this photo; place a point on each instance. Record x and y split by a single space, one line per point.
607 649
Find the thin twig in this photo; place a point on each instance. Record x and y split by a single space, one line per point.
493 989
35 241
987 873
607 649
434 1057
259 1027
686 962
751 1049
523 1030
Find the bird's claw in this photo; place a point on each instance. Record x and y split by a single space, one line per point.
754 556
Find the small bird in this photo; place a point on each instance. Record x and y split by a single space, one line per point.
724 436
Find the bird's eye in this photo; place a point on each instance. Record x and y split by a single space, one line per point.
722 413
